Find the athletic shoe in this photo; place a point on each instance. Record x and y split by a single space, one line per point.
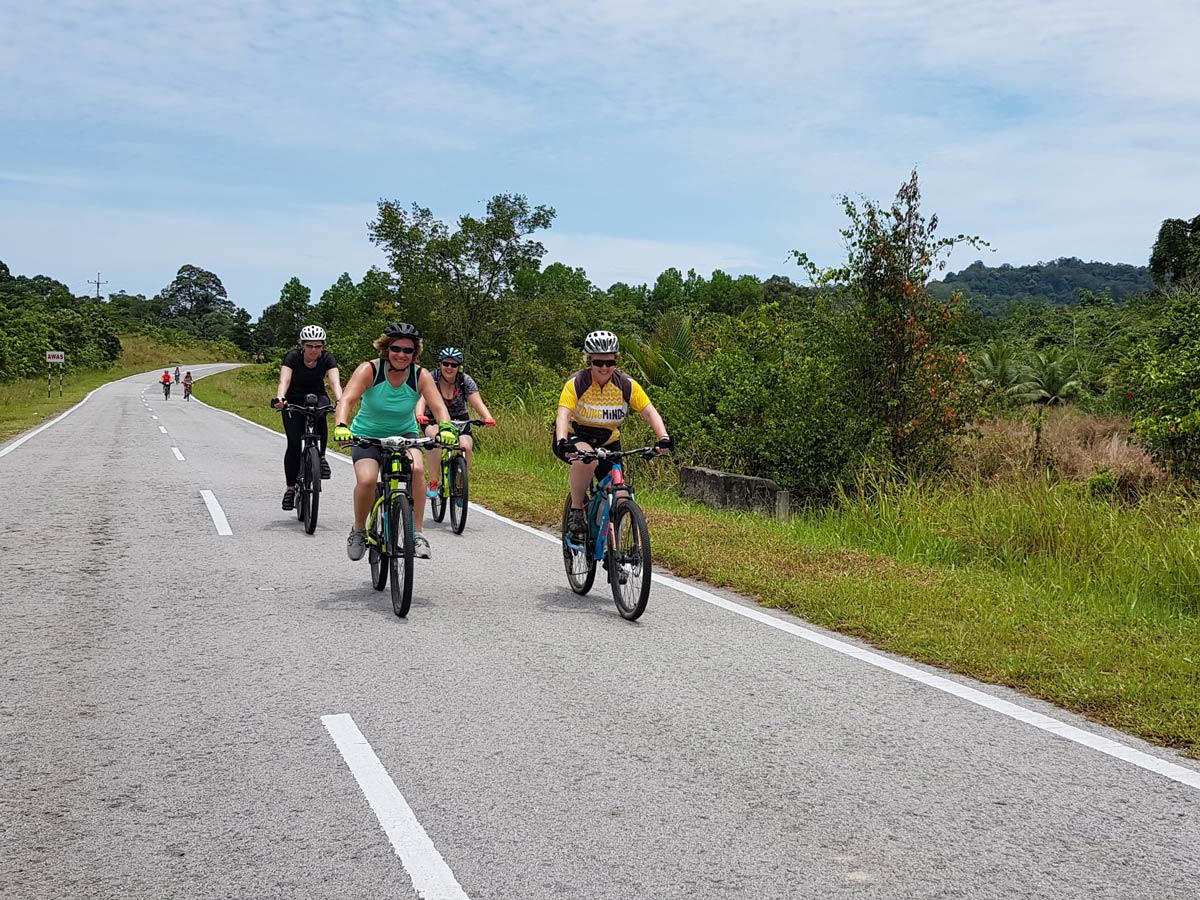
356 544
577 525
325 473
421 547
289 499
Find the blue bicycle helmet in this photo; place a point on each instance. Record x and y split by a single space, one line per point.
450 353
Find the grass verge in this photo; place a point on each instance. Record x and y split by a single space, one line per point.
1092 606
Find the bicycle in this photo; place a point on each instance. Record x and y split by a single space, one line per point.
617 535
187 390
308 480
390 524
452 485
166 390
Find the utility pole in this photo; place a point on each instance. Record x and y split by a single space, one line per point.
97 283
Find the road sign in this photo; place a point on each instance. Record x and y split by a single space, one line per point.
56 356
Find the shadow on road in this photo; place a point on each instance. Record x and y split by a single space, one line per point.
598 602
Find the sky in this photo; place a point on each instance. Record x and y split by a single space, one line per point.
254 138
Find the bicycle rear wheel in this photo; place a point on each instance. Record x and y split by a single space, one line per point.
629 559
400 552
378 543
313 477
458 493
581 568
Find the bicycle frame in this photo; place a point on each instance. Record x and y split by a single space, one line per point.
395 473
602 498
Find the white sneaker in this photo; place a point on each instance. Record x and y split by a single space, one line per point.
421 547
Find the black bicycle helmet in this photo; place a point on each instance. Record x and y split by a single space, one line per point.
402 329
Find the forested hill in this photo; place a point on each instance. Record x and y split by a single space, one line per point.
1057 282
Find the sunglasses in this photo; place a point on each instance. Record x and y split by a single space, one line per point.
313 346
602 363
399 348
450 364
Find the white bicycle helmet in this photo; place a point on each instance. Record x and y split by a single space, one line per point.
601 342
312 333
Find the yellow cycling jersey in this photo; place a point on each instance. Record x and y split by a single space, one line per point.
594 407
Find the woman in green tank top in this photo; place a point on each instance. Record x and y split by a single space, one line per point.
389 388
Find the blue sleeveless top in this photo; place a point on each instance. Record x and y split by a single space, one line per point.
387 411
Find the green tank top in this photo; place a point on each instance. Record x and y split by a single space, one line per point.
385 410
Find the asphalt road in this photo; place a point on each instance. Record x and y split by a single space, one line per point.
164 725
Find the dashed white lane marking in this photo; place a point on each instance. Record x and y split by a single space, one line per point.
1181 774
155 418
218 514
163 430
178 455
431 877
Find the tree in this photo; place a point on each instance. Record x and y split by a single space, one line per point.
454 284
669 349
194 293
997 371
1051 379
1175 259
280 323
910 385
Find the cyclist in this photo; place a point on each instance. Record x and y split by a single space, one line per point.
389 388
591 408
304 371
165 381
177 374
187 386
458 389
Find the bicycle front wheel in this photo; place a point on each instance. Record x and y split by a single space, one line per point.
400 552
458 493
437 504
313 477
303 482
629 559
581 568
378 542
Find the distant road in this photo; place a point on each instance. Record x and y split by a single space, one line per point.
189 714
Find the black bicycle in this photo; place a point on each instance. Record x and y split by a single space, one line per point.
452 485
308 479
390 524
617 535
166 390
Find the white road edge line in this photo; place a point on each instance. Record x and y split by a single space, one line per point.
178 455
431 877
218 514
1180 774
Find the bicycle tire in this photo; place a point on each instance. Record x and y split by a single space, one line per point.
581 568
379 568
629 562
400 553
458 493
314 488
302 482
437 504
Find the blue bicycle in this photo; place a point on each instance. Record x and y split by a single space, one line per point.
617 536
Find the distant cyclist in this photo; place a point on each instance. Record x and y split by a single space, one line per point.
303 372
458 389
187 386
389 388
166 384
591 408
177 374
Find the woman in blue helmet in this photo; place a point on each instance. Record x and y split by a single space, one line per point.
460 394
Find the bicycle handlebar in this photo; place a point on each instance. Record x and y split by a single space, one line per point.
296 407
599 454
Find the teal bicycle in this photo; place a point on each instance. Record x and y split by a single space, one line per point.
390 524
617 536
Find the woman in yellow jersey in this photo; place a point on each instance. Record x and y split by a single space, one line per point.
591 408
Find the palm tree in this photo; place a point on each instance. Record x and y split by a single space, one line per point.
997 370
1050 380
669 349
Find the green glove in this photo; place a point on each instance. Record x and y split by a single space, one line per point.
447 433
342 434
